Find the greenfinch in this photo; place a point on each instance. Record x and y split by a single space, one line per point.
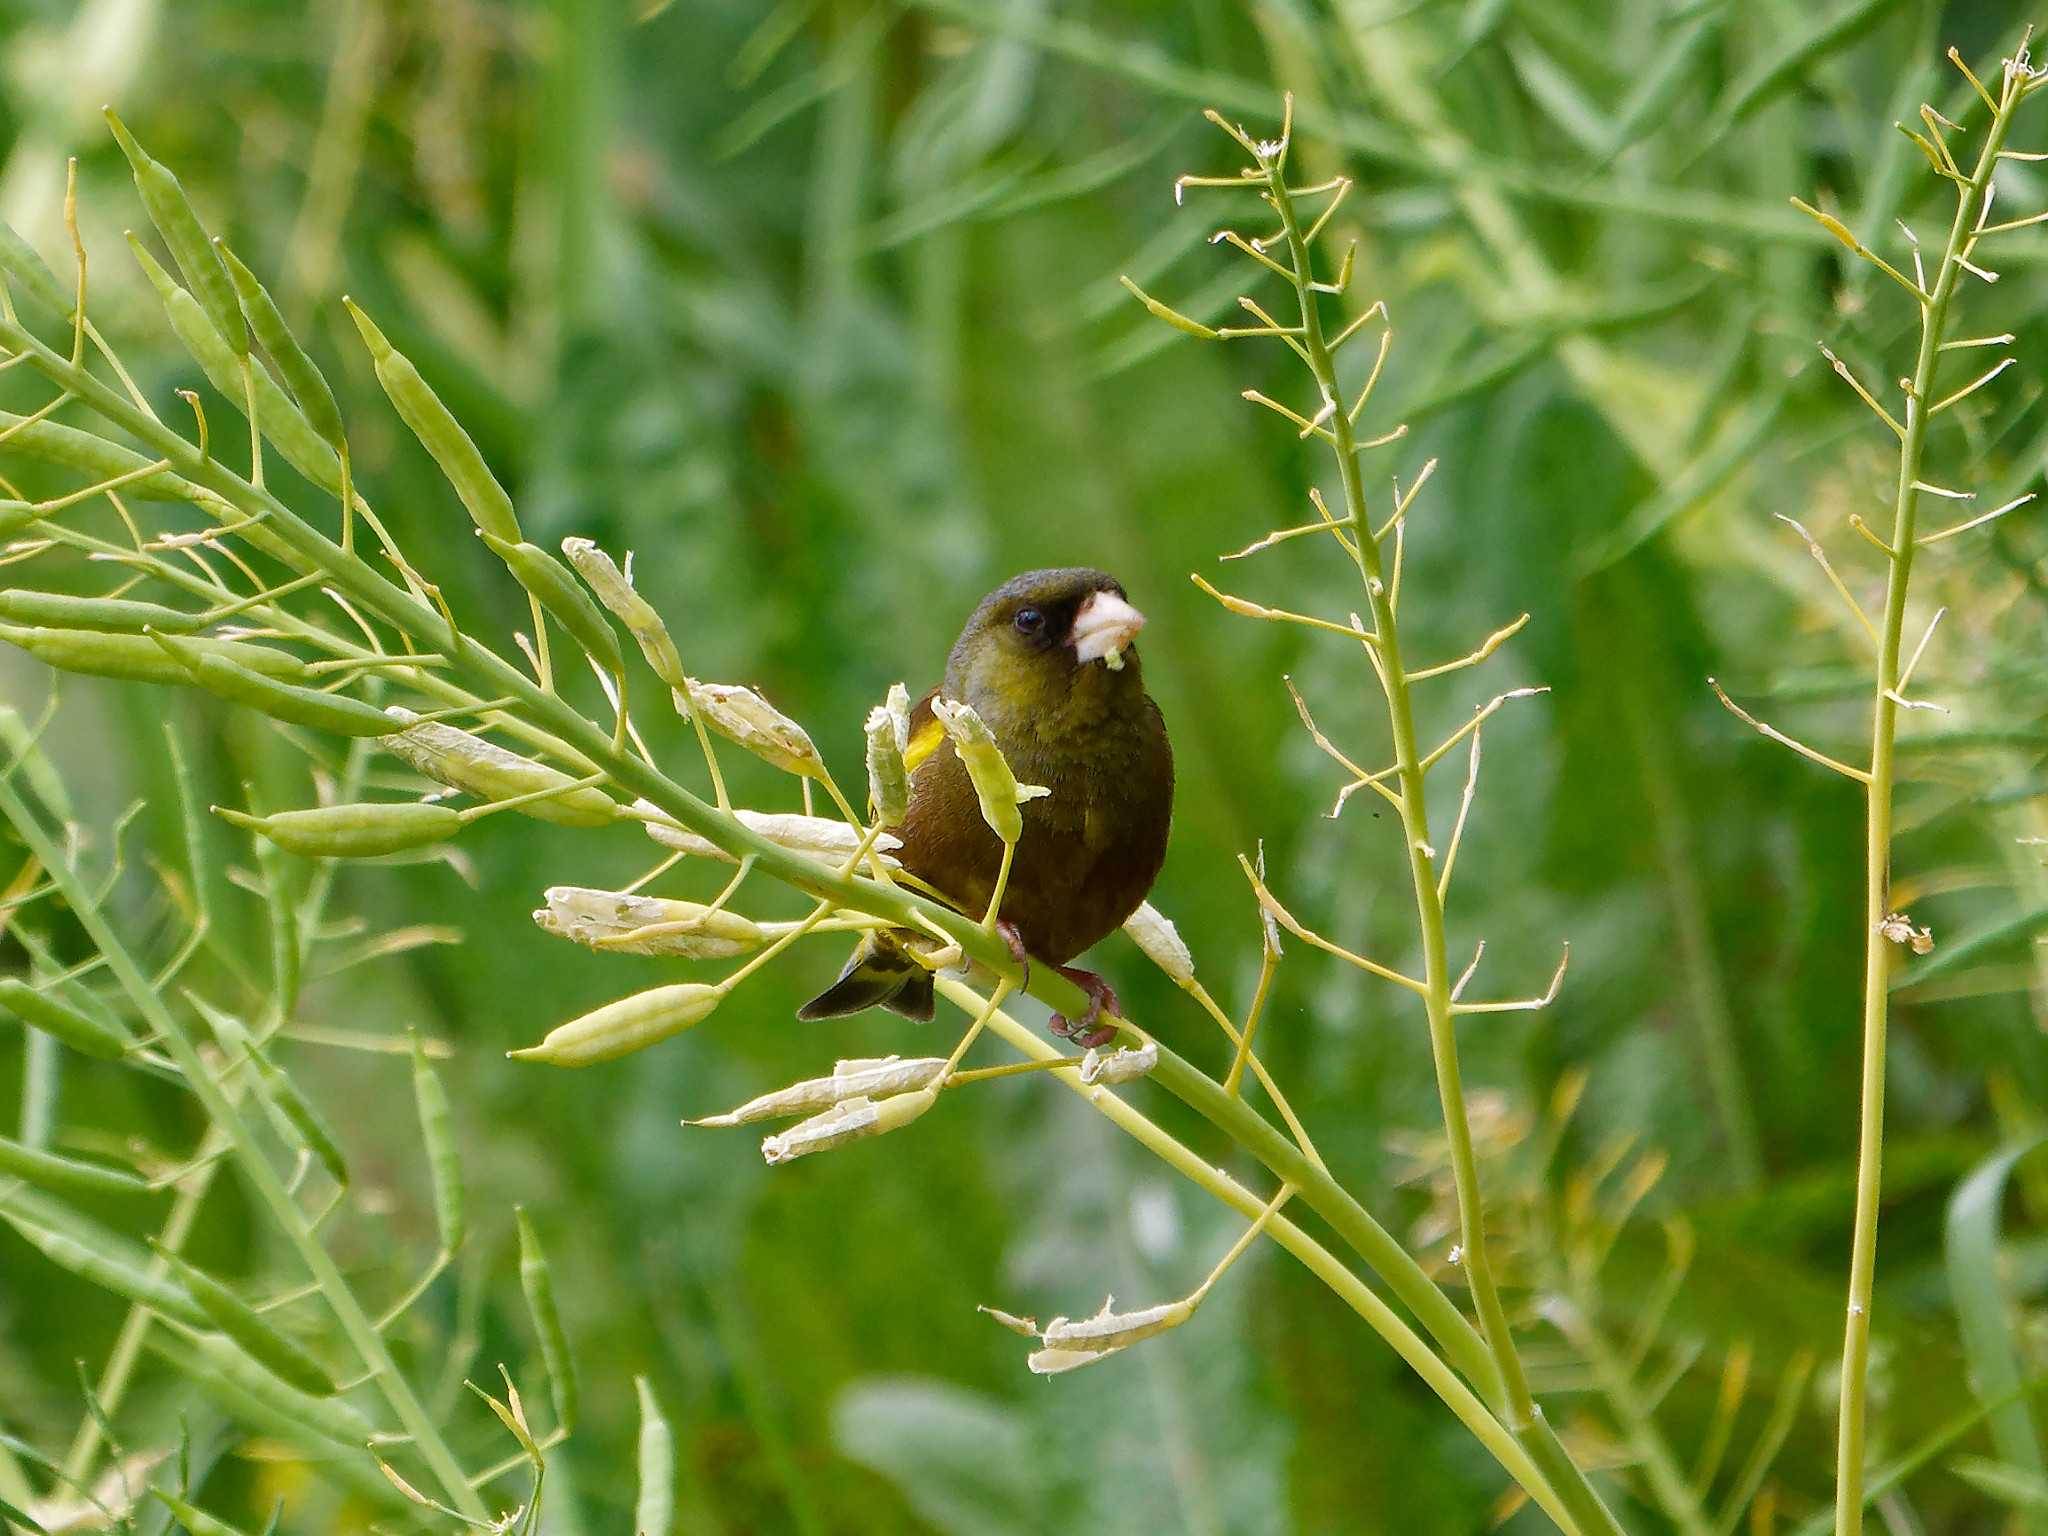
1048 661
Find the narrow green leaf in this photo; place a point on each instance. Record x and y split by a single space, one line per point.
1983 1311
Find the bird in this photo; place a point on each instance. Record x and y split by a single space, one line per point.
1048 661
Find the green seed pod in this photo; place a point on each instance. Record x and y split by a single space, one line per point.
19 261
246 1326
196 1521
614 588
627 1025
452 756
54 443
59 1019
281 701
439 433
359 831
747 720
140 658
538 1282
444 1163
301 375
21 605
172 214
655 1512
211 1358
15 516
101 1257
996 787
282 422
67 1175
309 1126
556 590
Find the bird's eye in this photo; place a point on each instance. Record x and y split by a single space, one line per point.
1029 621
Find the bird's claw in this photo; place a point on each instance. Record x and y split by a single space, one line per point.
1088 1032
1007 932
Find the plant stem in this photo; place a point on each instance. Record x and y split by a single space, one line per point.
1518 1407
1877 956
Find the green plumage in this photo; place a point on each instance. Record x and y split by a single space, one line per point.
1083 729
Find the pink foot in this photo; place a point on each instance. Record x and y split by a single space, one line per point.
1088 1032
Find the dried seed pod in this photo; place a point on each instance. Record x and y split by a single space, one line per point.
747 720
301 375
439 433
694 931
1070 1343
172 214
60 1020
138 658
1155 934
849 1120
444 1163
229 680
614 588
66 1175
556 590
486 770
818 836
629 1024
283 423
247 1327
1120 1066
888 777
359 831
859 1078
61 610
994 784
539 1284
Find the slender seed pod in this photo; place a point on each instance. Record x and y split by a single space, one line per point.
309 1126
209 1357
59 1019
66 1175
102 1257
860 1077
649 925
19 261
172 214
538 1281
994 784
334 712
23 605
614 588
301 375
139 658
197 1522
819 836
454 757
439 432
247 1327
54 443
654 1514
15 516
557 591
284 424
849 1120
627 1025
359 831
444 1163
747 720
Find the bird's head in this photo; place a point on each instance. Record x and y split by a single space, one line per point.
1049 646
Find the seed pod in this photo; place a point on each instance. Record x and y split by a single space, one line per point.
1071 1344
888 779
209 1357
62 1021
22 605
102 1257
359 831
172 214
303 1123
246 1326
849 1120
1121 1066
305 380
859 1078
537 1280
747 720
655 1512
452 756
627 1025
819 836
15 516
614 589
66 1175
197 1522
556 590
439 433
138 658
444 1163
283 423
693 931
996 787
281 701
19 261
1153 933
54 443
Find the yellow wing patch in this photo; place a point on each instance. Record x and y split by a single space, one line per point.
923 743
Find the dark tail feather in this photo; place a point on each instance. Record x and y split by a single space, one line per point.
876 976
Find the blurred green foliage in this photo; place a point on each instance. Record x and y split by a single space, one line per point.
815 308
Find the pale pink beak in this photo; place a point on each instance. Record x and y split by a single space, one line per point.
1103 626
